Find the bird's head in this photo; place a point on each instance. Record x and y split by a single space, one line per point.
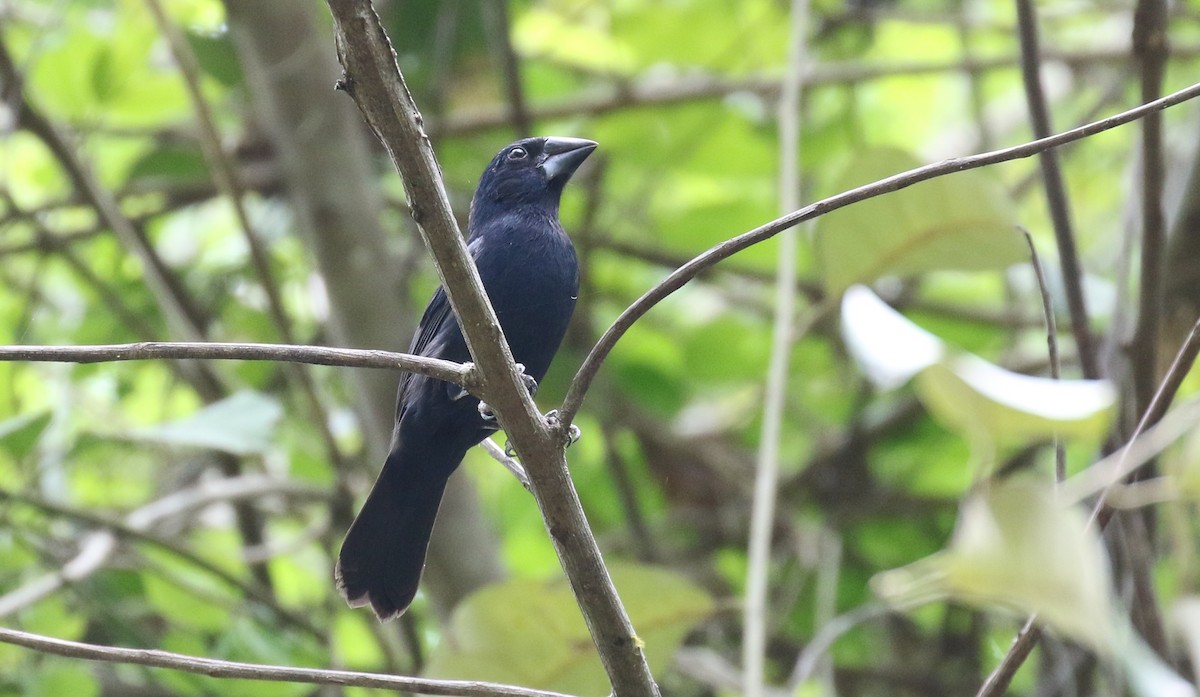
531 171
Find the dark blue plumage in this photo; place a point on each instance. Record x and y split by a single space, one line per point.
531 276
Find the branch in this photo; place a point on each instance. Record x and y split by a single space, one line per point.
627 94
373 79
457 373
684 274
766 471
216 668
176 307
138 526
1150 49
1056 190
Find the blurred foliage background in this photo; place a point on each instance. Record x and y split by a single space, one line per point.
195 176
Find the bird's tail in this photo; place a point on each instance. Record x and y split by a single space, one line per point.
384 553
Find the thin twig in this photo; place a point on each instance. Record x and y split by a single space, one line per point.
1000 678
176 308
1104 476
658 91
766 476
138 528
458 373
1060 455
684 274
1056 190
253 671
510 463
227 181
496 13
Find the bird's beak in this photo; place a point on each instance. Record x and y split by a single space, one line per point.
564 155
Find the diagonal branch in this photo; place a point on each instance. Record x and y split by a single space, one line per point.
684 274
373 79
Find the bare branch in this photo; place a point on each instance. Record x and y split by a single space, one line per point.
684 274
254 671
138 527
1056 190
1150 48
756 613
459 374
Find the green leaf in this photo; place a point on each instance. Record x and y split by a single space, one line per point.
354 644
242 424
959 222
217 57
51 616
963 391
57 678
1018 547
19 435
169 165
186 607
531 633
542 32
980 398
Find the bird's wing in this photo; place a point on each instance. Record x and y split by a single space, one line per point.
436 314
426 341
436 329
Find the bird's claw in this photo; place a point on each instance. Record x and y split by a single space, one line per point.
531 385
457 392
486 413
573 435
573 432
509 449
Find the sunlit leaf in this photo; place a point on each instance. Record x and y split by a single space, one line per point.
1018 548
971 394
581 44
889 348
531 633
959 222
355 645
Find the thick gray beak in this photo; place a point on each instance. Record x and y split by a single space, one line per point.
564 155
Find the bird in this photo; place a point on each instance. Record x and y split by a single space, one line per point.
531 275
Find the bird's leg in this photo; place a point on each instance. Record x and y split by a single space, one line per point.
531 386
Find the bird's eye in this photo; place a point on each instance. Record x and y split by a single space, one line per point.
517 154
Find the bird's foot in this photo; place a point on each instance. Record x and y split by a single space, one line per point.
485 411
458 392
531 385
509 449
573 432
